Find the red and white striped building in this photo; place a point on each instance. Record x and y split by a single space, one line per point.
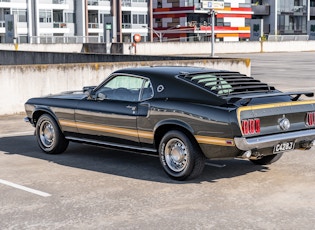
190 20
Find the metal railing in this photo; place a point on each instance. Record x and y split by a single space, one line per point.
59 1
98 2
60 25
288 37
93 25
64 39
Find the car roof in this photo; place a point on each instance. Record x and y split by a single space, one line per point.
174 88
182 83
166 71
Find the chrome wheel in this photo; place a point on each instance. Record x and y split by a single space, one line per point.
47 134
176 156
180 155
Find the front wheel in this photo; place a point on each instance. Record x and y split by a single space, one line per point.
49 136
267 160
180 157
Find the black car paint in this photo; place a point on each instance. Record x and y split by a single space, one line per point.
208 119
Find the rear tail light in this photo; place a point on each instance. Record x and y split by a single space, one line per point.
310 119
251 126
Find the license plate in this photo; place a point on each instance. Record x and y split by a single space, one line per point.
282 147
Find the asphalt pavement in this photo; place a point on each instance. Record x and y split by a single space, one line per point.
97 188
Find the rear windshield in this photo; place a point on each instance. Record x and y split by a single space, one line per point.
227 83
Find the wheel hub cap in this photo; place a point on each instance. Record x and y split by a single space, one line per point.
176 155
47 134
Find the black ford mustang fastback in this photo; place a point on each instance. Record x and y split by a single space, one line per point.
185 114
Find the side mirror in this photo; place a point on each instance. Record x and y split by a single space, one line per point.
88 90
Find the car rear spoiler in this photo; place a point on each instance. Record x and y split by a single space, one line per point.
247 98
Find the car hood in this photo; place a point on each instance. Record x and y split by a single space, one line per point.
69 95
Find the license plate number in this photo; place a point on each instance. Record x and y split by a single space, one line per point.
282 147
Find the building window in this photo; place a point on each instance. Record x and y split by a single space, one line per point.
69 17
93 16
139 19
126 21
45 16
21 15
142 19
58 15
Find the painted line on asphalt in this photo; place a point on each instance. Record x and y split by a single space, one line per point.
30 190
17 134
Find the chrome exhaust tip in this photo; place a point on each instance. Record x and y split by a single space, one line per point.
247 154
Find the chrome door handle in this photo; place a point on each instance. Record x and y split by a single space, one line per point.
133 108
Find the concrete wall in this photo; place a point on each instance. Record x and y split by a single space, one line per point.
70 48
21 82
8 57
182 48
172 48
185 48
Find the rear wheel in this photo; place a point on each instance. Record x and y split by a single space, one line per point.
267 160
49 136
180 157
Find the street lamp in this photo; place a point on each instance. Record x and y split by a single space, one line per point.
212 13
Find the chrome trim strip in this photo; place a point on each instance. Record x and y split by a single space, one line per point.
245 144
109 144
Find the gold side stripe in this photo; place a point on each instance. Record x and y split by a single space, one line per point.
214 141
142 134
107 129
272 105
276 105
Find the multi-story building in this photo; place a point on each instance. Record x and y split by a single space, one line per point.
284 17
50 21
78 21
190 20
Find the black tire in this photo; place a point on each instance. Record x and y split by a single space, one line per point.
49 136
181 158
267 160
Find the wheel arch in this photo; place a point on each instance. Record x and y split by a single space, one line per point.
167 125
42 110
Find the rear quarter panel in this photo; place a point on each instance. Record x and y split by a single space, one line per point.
212 127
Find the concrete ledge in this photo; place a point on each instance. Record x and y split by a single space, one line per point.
21 82
170 48
8 57
185 48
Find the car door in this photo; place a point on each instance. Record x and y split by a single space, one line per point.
111 114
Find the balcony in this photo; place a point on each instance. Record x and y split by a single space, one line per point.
93 25
134 3
312 11
262 10
60 25
99 2
58 1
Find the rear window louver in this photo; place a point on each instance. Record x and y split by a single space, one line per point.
227 83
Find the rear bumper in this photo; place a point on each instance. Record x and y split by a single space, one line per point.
245 144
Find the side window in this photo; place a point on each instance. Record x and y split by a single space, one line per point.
147 91
123 88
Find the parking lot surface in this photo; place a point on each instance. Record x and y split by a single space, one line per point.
97 188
